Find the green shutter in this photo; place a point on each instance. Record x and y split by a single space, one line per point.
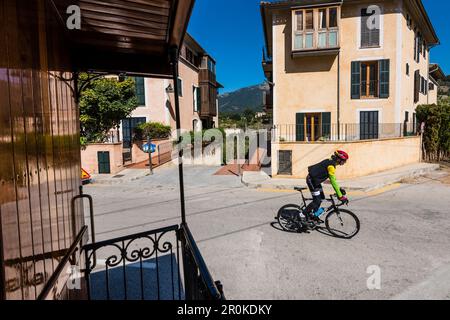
356 80
384 79
300 126
416 85
326 125
140 90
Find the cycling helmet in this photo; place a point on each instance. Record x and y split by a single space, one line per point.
341 155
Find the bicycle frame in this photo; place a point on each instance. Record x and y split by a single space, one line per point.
333 206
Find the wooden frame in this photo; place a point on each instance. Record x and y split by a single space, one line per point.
367 65
316 28
312 117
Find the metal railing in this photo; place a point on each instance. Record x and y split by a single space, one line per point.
369 89
149 266
342 133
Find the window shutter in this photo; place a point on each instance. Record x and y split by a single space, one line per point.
416 85
384 79
140 90
326 125
300 127
356 80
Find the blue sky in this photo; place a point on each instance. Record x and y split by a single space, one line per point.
231 31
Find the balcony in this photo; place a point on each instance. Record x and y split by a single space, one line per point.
348 132
369 89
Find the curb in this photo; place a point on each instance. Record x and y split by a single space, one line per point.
390 181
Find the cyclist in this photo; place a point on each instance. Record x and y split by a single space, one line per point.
318 174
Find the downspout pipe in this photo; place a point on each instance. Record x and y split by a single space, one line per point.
338 97
174 56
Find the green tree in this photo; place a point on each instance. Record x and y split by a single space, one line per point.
104 102
436 138
155 130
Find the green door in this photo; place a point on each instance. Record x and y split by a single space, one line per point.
103 162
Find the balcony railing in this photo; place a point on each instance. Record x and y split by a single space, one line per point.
163 264
342 132
369 89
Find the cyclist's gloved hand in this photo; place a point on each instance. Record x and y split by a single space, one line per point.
343 191
344 199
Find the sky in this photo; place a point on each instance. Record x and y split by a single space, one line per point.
231 31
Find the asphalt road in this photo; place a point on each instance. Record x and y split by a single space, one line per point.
405 234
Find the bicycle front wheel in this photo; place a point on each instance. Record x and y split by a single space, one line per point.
342 224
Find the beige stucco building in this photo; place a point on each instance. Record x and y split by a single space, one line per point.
346 71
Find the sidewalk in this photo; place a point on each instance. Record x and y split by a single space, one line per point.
126 175
260 180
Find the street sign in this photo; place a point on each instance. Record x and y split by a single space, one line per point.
146 148
85 176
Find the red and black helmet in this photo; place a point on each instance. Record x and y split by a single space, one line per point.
341 155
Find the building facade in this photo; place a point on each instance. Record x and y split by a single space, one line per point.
198 94
346 70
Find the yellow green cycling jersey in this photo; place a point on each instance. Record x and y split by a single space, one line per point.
332 176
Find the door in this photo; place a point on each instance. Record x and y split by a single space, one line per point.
128 126
285 162
368 125
104 166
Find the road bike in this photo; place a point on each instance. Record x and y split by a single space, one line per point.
339 222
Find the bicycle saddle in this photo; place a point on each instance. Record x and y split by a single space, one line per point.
300 188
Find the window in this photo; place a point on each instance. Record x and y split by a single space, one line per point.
409 21
308 35
368 125
180 87
211 66
140 90
431 86
423 85
370 79
197 99
313 126
190 56
370 36
418 47
407 69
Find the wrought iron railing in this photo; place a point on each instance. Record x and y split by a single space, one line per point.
149 266
342 132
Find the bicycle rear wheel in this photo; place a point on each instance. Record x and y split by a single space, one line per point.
342 224
287 215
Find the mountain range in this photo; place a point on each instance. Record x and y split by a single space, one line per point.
245 98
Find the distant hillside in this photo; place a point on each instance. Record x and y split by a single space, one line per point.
245 98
